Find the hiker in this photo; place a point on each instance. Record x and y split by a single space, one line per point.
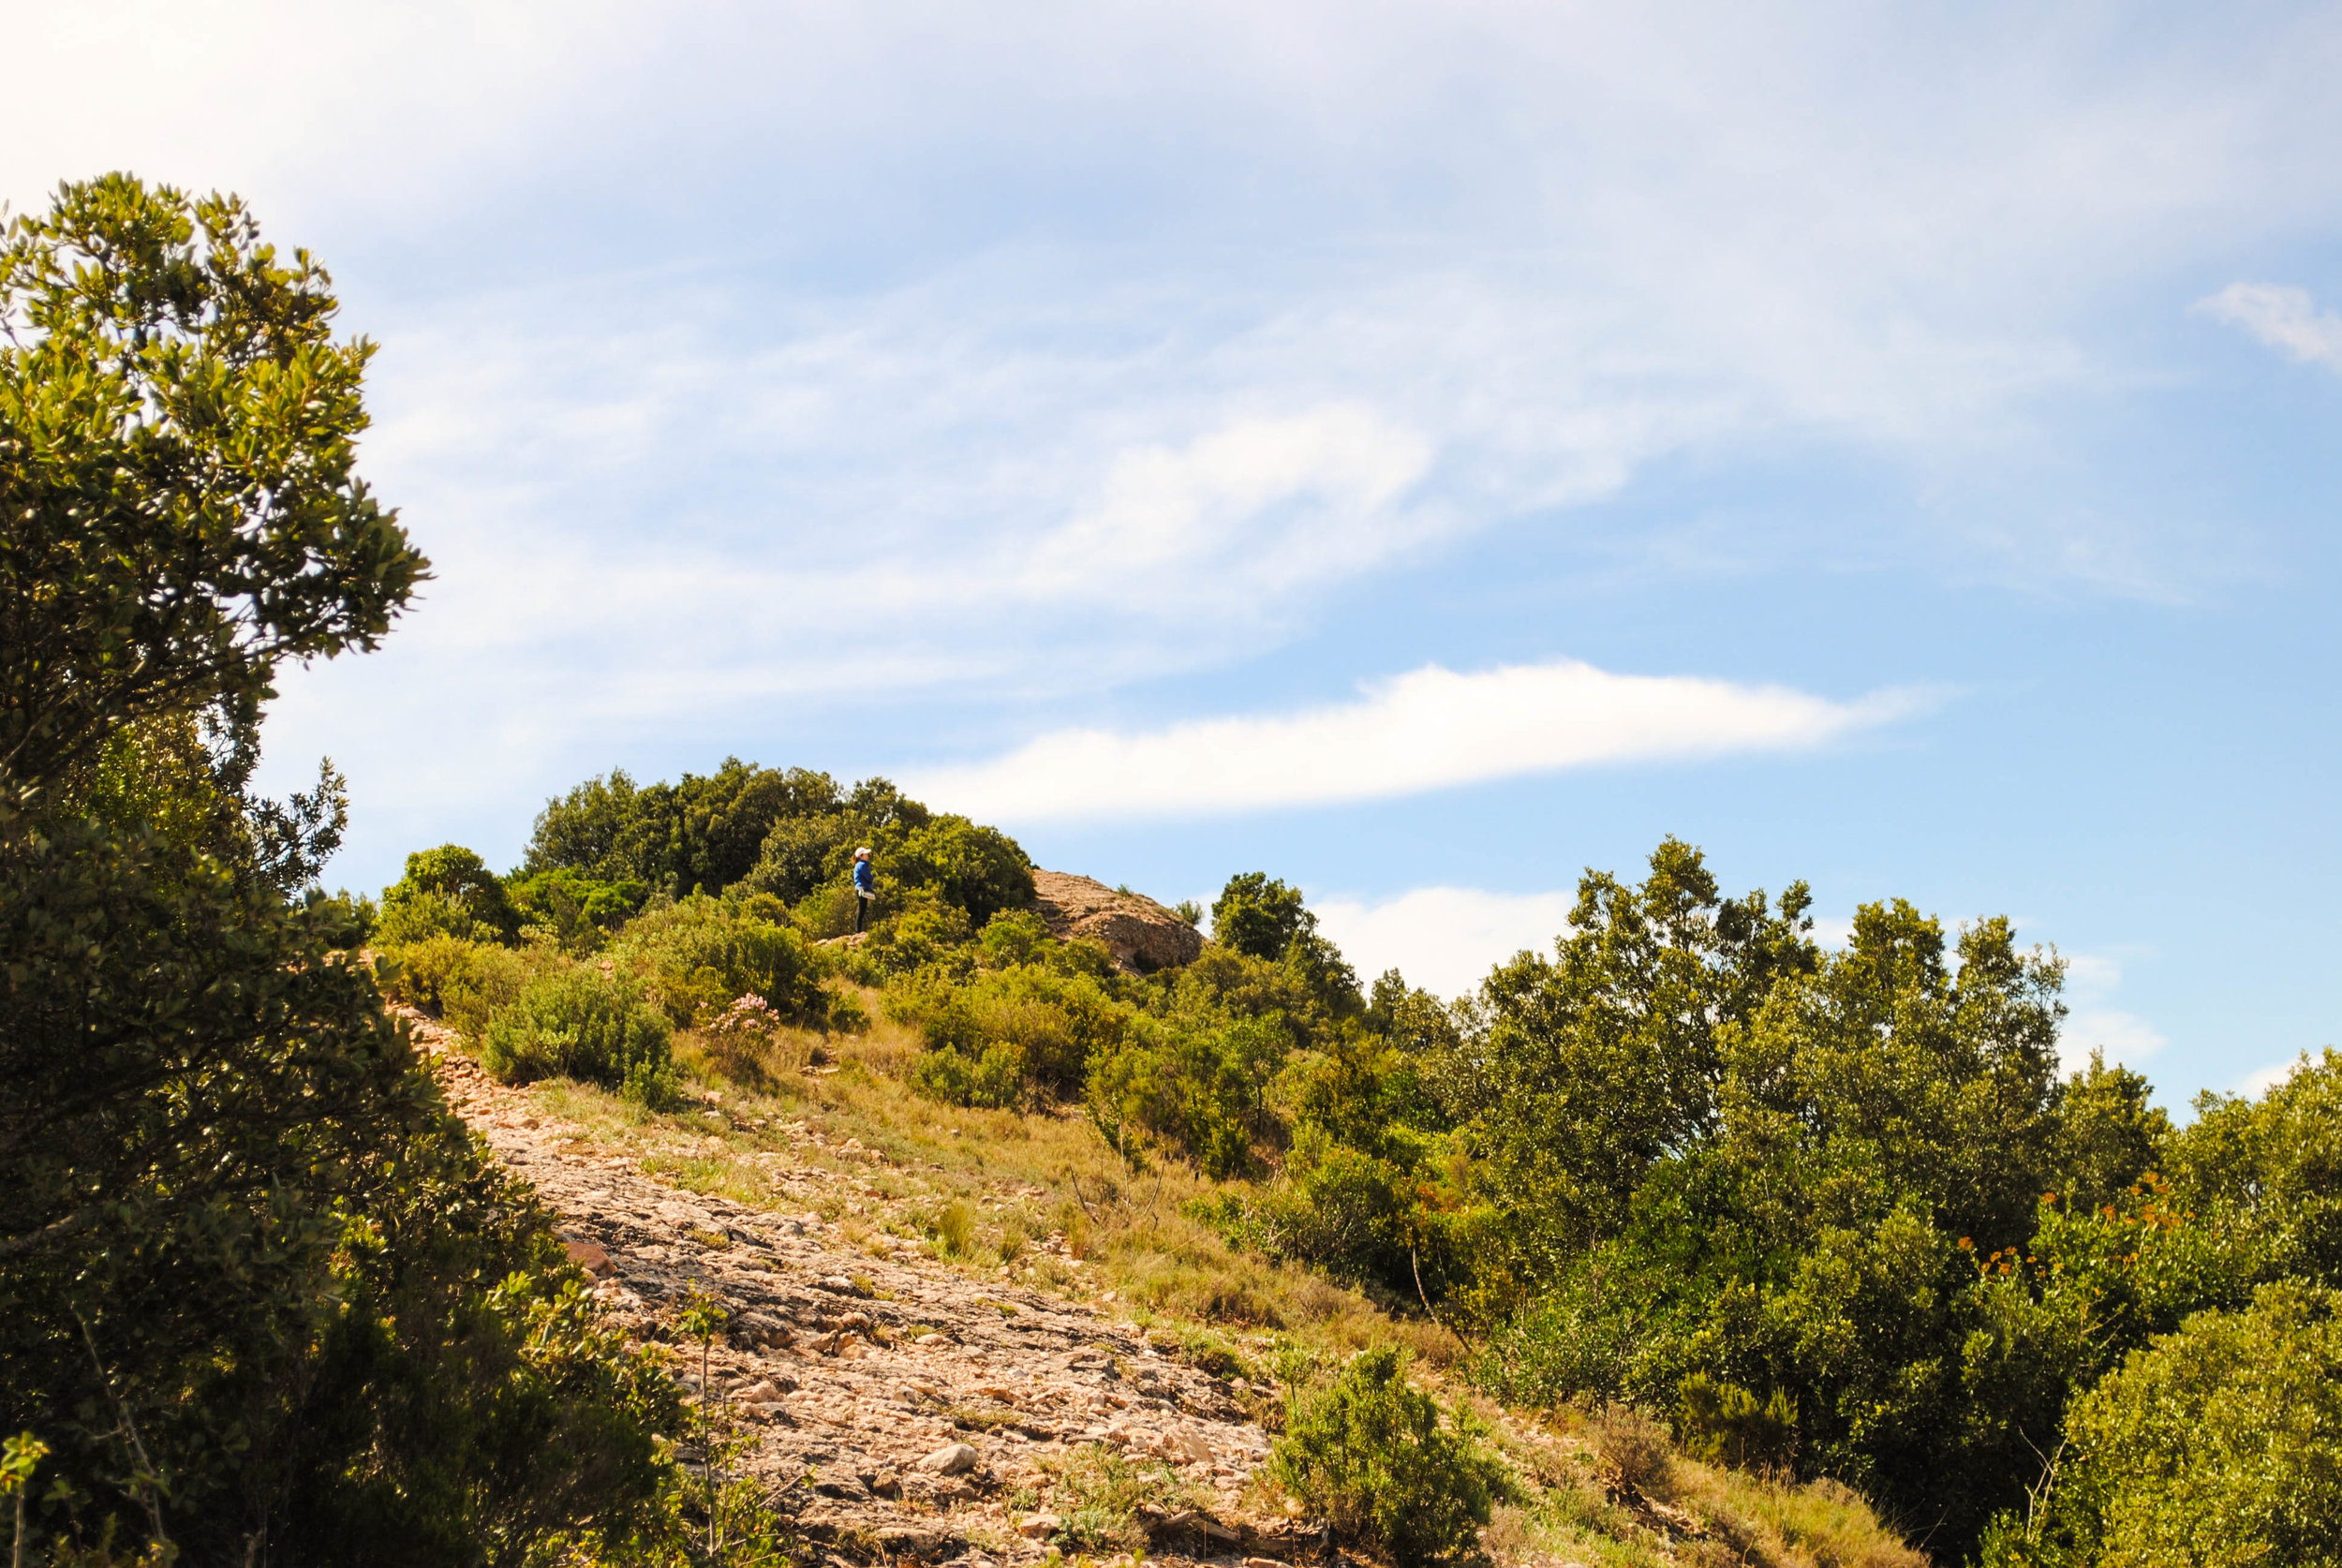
865 888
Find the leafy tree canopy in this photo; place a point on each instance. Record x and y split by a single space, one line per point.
176 429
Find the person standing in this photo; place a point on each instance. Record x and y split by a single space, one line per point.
865 888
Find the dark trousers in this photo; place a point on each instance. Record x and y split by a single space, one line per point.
861 911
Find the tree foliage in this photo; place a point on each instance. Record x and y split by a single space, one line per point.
176 467
260 1296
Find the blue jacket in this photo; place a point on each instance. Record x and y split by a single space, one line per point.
865 879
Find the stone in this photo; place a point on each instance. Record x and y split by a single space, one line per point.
953 1459
1139 934
591 1258
930 1340
1038 1526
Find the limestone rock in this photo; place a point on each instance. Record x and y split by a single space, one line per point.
1141 934
953 1459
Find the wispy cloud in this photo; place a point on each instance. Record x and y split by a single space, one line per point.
1430 728
2092 981
1443 938
2286 319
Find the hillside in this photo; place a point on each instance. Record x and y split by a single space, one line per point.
961 1336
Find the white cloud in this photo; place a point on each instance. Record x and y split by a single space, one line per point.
1445 939
2126 1039
2263 1080
2285 319
1428 730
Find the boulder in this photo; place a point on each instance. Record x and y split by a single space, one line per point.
1140 933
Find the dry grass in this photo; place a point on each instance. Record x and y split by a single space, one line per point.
980 1187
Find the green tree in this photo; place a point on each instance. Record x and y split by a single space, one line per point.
700 832
1258 916
260 1294
176 465
449 892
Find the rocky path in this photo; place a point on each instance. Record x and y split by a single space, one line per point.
915 1410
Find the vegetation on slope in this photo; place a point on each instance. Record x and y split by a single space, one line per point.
1830 1214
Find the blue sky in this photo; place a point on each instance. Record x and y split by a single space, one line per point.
1419 450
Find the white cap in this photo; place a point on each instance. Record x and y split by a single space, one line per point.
863 854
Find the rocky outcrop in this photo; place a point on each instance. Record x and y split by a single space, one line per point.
1141 934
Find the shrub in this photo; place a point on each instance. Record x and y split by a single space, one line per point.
2221 1443
994 1080
580 1023
702 954
921 930
1723 1422
1203 1091
1335 1207
1633 1449
463 983
574 911
954 1229
1054 1022
1368 1453
845 1013
1011 938
745 1043
451 891
977 869
1099 1493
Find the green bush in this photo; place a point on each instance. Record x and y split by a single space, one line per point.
1054 1022
1725 1424
1098 1493
574 911
993 1079
977 869
449 892
1203 1091
461 982
699 834
701 955
1369 1454
2221 1443
915 930
1011 938
579 1023
1335 1207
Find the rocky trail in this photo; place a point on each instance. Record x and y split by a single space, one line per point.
911 1408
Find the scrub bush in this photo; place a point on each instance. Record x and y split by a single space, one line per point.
579 1023
1725 1424
701 955
463 983
1369 1454
573 911
1203 1091
448 892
